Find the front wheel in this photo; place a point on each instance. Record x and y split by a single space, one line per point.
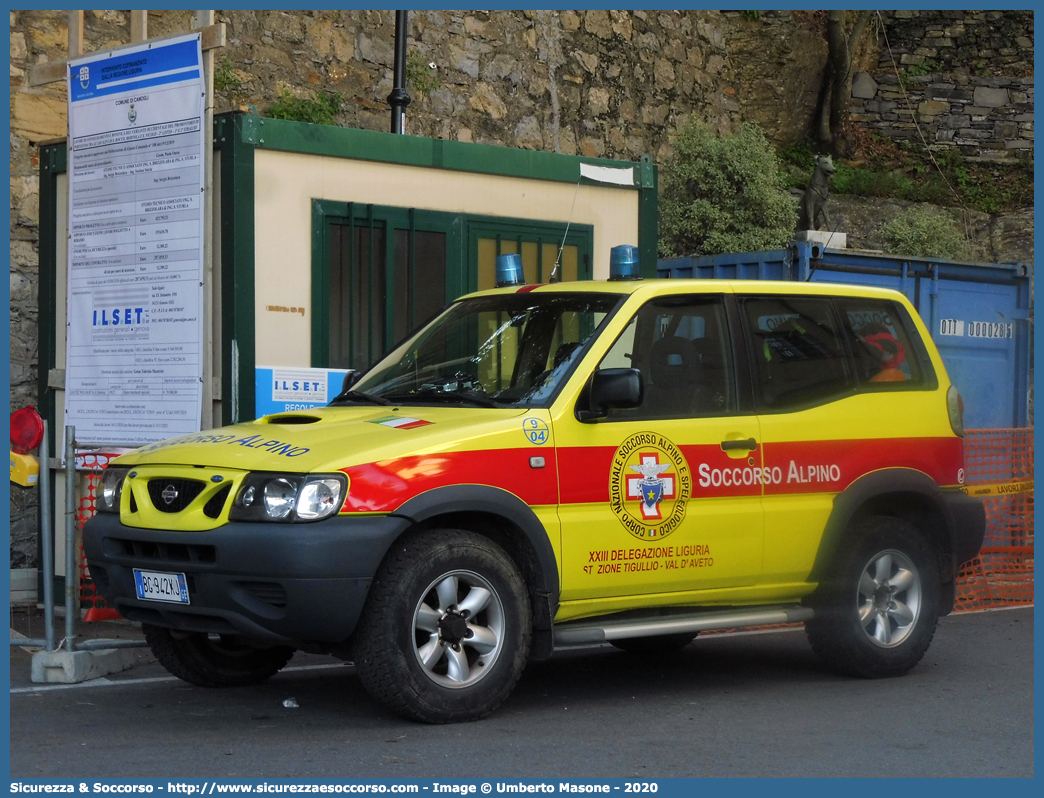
446 629
214 660
877 614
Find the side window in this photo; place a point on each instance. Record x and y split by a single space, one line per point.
681 346
619 356
798 352
884 356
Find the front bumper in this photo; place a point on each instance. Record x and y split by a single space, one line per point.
277 583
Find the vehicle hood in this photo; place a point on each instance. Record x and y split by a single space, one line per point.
332 438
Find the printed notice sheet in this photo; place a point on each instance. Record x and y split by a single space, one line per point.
134 367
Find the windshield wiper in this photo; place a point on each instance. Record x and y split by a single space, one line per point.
358 396
425 394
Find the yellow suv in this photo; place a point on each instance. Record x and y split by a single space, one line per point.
624 461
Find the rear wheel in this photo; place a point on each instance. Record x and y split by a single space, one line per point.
660 644
446 629
214 660
878 614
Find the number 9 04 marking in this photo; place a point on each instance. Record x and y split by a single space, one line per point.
536 431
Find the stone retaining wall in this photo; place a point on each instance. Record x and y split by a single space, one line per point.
982 118
983 43
994 238
962 80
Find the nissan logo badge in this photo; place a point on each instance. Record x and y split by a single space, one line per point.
170 493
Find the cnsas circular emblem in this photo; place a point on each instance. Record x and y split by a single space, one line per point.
649 485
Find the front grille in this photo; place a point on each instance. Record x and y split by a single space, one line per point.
212 509
172 494
271 593
168 552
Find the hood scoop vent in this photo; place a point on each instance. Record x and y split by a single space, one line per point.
292 419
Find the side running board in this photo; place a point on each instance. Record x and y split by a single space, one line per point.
602 630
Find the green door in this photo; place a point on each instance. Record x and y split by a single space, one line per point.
379 272
387 271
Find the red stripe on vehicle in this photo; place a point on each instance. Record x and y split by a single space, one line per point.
830 466
385 485
527 288
585 471
818 466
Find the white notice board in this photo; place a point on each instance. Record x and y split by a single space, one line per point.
134 360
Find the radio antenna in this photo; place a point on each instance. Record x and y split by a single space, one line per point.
558 260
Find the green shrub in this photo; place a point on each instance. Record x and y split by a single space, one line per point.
421 76
871 183
225 77
922 233
905 171
799 154
917 71
320 109
723 194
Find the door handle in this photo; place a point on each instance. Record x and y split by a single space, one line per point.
748 444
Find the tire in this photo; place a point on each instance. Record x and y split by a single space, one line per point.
877 615
445 632
660 644
214 660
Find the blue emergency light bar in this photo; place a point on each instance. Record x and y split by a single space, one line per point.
509 271
623 263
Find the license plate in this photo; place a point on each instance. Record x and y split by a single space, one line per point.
158 586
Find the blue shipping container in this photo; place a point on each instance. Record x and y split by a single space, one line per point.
978 313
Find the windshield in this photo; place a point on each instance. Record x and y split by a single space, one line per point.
493 351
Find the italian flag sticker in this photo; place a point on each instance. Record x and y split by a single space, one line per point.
400 422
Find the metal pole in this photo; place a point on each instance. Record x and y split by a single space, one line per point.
28 642
399 99
47 538
70 537
204 19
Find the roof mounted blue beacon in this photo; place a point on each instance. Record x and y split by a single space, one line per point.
509 271
623 263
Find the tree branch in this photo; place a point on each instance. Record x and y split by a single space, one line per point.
856 35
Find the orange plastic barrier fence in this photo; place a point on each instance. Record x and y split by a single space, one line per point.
998 466
90 599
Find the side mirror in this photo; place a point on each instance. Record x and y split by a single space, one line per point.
350 378
620 388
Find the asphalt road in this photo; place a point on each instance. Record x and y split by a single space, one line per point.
743 705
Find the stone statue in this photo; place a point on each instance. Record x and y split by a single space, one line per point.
813 202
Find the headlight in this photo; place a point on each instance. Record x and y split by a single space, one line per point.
319 498
279 498
288 497
108 498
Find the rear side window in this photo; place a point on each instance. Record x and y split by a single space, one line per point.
885 354
798 351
